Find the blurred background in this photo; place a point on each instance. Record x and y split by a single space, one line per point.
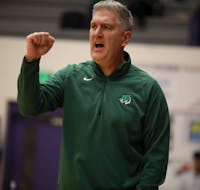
165 43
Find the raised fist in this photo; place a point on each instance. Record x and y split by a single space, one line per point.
38 44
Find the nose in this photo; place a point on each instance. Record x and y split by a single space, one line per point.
99 31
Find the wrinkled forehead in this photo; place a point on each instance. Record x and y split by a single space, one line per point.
106 15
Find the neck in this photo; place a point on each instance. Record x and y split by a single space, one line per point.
108 67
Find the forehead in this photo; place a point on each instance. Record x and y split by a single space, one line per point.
105 15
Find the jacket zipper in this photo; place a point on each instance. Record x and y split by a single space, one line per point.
105 82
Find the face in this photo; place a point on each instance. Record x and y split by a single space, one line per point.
107 38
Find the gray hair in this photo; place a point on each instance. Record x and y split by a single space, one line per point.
125 16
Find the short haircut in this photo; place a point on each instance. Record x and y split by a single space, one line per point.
125 16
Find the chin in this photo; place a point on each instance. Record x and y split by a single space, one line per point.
97 58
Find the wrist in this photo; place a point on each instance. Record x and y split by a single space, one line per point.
30 59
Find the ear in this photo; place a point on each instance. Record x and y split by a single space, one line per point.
126 38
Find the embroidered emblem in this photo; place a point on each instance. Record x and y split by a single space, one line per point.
87 79
125 99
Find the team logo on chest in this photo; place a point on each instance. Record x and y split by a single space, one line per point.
125 99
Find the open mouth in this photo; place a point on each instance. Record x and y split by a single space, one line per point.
99 45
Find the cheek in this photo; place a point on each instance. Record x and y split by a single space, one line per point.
115 44
117 40
91 36
90 39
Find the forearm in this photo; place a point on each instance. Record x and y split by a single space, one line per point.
154 168
154 165
28 97
156 141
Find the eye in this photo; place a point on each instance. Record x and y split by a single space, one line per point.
93 26
107 27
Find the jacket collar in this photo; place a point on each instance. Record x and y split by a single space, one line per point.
119 71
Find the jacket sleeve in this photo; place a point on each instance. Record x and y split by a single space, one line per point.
34 98
156 132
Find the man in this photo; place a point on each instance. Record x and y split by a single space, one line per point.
115 131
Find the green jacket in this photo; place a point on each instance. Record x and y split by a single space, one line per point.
115 131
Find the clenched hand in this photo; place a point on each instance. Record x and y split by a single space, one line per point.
38 44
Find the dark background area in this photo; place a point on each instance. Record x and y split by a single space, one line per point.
157 21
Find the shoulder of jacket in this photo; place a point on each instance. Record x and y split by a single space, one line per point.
142 75
81 66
